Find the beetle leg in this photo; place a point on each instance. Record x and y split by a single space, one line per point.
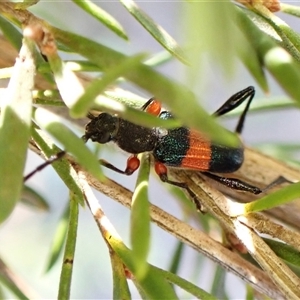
133 164
240 185
48 162
152 106
234 183
235 101
279 180
162 171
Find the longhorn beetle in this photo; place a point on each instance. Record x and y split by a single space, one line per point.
180 147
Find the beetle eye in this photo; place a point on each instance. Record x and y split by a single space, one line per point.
102 137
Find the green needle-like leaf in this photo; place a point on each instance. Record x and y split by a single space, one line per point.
172 93
62 167
277 198
121 289
68 84
290 9
277 60
209 27
51 123
11 33
284 251
102 16
98 86
33 199
68 260
176 258
218 286
15 121
155 30
59 239
10 280
250 293
283 67
252 62
153 284
140 220
186 285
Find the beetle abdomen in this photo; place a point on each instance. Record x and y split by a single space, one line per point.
225 159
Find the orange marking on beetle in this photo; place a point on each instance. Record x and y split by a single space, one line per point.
154 108
133 163
199 154
160 168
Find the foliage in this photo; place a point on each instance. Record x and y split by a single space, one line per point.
252 35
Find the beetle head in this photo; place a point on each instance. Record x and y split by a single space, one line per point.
101 129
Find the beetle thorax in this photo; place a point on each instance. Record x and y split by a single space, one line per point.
135 139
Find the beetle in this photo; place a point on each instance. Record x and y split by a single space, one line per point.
179 147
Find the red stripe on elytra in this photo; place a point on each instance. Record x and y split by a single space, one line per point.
198 155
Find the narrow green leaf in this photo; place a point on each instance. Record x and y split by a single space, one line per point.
102 16
125 97
54 125
2 296
286 149
96 87
11 33
187 205
279 62
250 292
218 286
128 106
58 239
156 283
282 196
68 260
290 9
209 27
13 288
259 40
153 285
158 59
155 30
33 199
186 285
140 220
47 97
82 66
140 290
62 167
136 116
293 38
290 40
252 62
15 121
259 23
68 83
174 94
284 251
176 258
287 72
121 289
10 280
